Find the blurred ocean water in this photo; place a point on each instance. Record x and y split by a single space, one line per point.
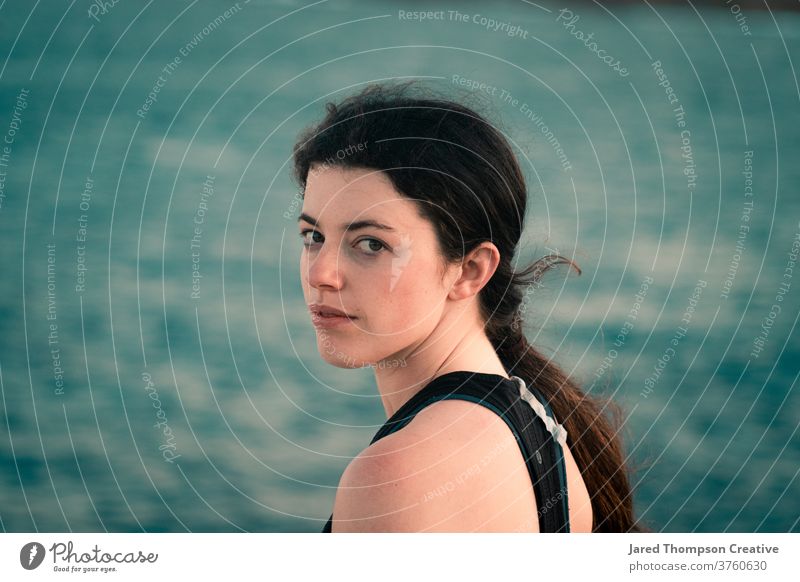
158 370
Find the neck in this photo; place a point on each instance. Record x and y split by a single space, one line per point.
449 348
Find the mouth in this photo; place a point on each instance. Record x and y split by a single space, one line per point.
326 313
316 315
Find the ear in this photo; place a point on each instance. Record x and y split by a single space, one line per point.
477 268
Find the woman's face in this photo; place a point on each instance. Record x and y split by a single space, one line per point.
367 252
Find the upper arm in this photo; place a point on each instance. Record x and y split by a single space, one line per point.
377 492
448 470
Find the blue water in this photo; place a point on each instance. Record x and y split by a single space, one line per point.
258 428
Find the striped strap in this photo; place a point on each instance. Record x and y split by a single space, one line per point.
557 430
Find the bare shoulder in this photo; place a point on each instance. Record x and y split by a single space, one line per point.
455 467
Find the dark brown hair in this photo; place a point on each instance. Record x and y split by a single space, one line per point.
465 179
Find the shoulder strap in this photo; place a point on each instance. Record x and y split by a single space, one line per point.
530 419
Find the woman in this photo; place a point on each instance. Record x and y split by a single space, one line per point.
413 207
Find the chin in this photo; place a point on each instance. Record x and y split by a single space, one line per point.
341 359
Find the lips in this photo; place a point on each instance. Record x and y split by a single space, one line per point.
326 311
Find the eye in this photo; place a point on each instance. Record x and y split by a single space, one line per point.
306 241
373 247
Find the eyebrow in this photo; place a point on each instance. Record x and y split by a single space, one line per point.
366 223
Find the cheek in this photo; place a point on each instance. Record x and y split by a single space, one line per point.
412 305
303 272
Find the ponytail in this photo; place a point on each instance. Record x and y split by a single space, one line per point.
593 438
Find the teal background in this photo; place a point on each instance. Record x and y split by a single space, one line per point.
262 426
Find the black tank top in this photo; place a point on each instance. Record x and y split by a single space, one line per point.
529 417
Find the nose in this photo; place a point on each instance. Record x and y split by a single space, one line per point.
324 269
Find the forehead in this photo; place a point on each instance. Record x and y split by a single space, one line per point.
340 194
